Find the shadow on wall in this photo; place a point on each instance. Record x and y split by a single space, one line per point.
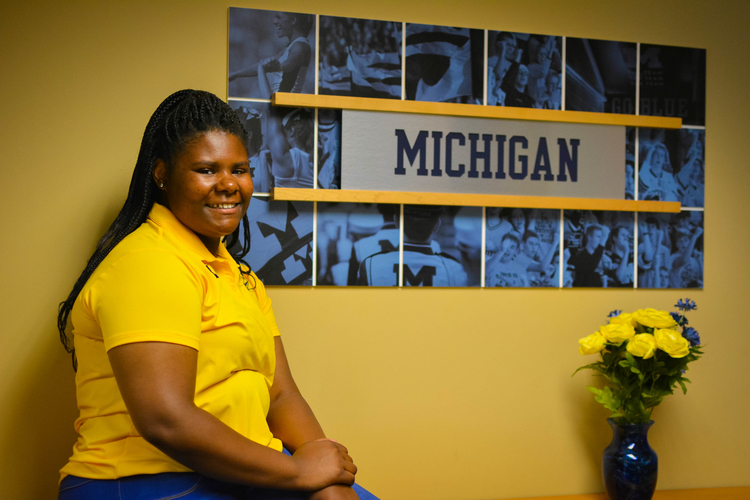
589 419
38 434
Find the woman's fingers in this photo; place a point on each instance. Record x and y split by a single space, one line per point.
324 462
350 467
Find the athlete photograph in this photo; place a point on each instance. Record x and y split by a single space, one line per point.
254 116
672 165
600 76
281 142
522 247
442 248
272 48
524 70
348 233
673 83
598 249
444 64
670 250
281 236
329 148
359 57
630 138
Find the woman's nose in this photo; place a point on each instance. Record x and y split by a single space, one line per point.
227 182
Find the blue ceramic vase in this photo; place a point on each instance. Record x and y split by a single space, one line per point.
629 465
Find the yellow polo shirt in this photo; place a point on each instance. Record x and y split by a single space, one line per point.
161 284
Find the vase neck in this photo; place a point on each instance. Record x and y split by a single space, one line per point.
629 429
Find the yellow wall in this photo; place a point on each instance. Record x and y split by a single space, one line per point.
440 394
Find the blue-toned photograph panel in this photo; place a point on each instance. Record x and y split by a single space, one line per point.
673 83
524 70
522 247
630 163
349 235
329 148
600 76
254 116
598 249
359 57
281 234
442 246
269 52
672 165
670 250
444 64
280 144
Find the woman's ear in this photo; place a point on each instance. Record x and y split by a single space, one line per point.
160 174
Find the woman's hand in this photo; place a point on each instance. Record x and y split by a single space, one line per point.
335 492
323 462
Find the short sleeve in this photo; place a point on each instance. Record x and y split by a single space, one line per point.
148 295
265 305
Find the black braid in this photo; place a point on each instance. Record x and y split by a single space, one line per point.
176 122
238 252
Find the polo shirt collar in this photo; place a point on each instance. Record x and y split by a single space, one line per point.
164 218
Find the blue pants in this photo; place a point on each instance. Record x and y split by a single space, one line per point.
174 485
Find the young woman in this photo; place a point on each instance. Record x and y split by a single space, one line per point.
619 259
655 181
183 384
285 71
258 156
291 143
586 261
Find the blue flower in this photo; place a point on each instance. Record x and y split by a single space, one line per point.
679 318
614 313
692 336
686 305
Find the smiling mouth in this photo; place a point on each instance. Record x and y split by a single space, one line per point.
223 205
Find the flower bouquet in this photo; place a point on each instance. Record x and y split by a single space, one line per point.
644 357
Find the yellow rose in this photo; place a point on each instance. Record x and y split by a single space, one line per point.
642 345
592 344
654 319
624 318
672 342
617 332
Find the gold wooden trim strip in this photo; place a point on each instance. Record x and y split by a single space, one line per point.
469 110
471 200
730 493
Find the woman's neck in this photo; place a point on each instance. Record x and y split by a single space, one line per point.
212 243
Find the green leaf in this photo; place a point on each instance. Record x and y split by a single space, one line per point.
598 366
682 384
594 389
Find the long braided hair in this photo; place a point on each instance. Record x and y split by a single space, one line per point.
176 122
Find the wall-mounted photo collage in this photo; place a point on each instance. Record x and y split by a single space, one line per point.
341 244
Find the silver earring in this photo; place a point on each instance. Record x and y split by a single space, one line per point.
161 184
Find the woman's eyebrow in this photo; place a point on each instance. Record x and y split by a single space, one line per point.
214 163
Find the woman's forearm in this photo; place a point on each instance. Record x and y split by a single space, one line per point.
205 444
289 417
292 420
